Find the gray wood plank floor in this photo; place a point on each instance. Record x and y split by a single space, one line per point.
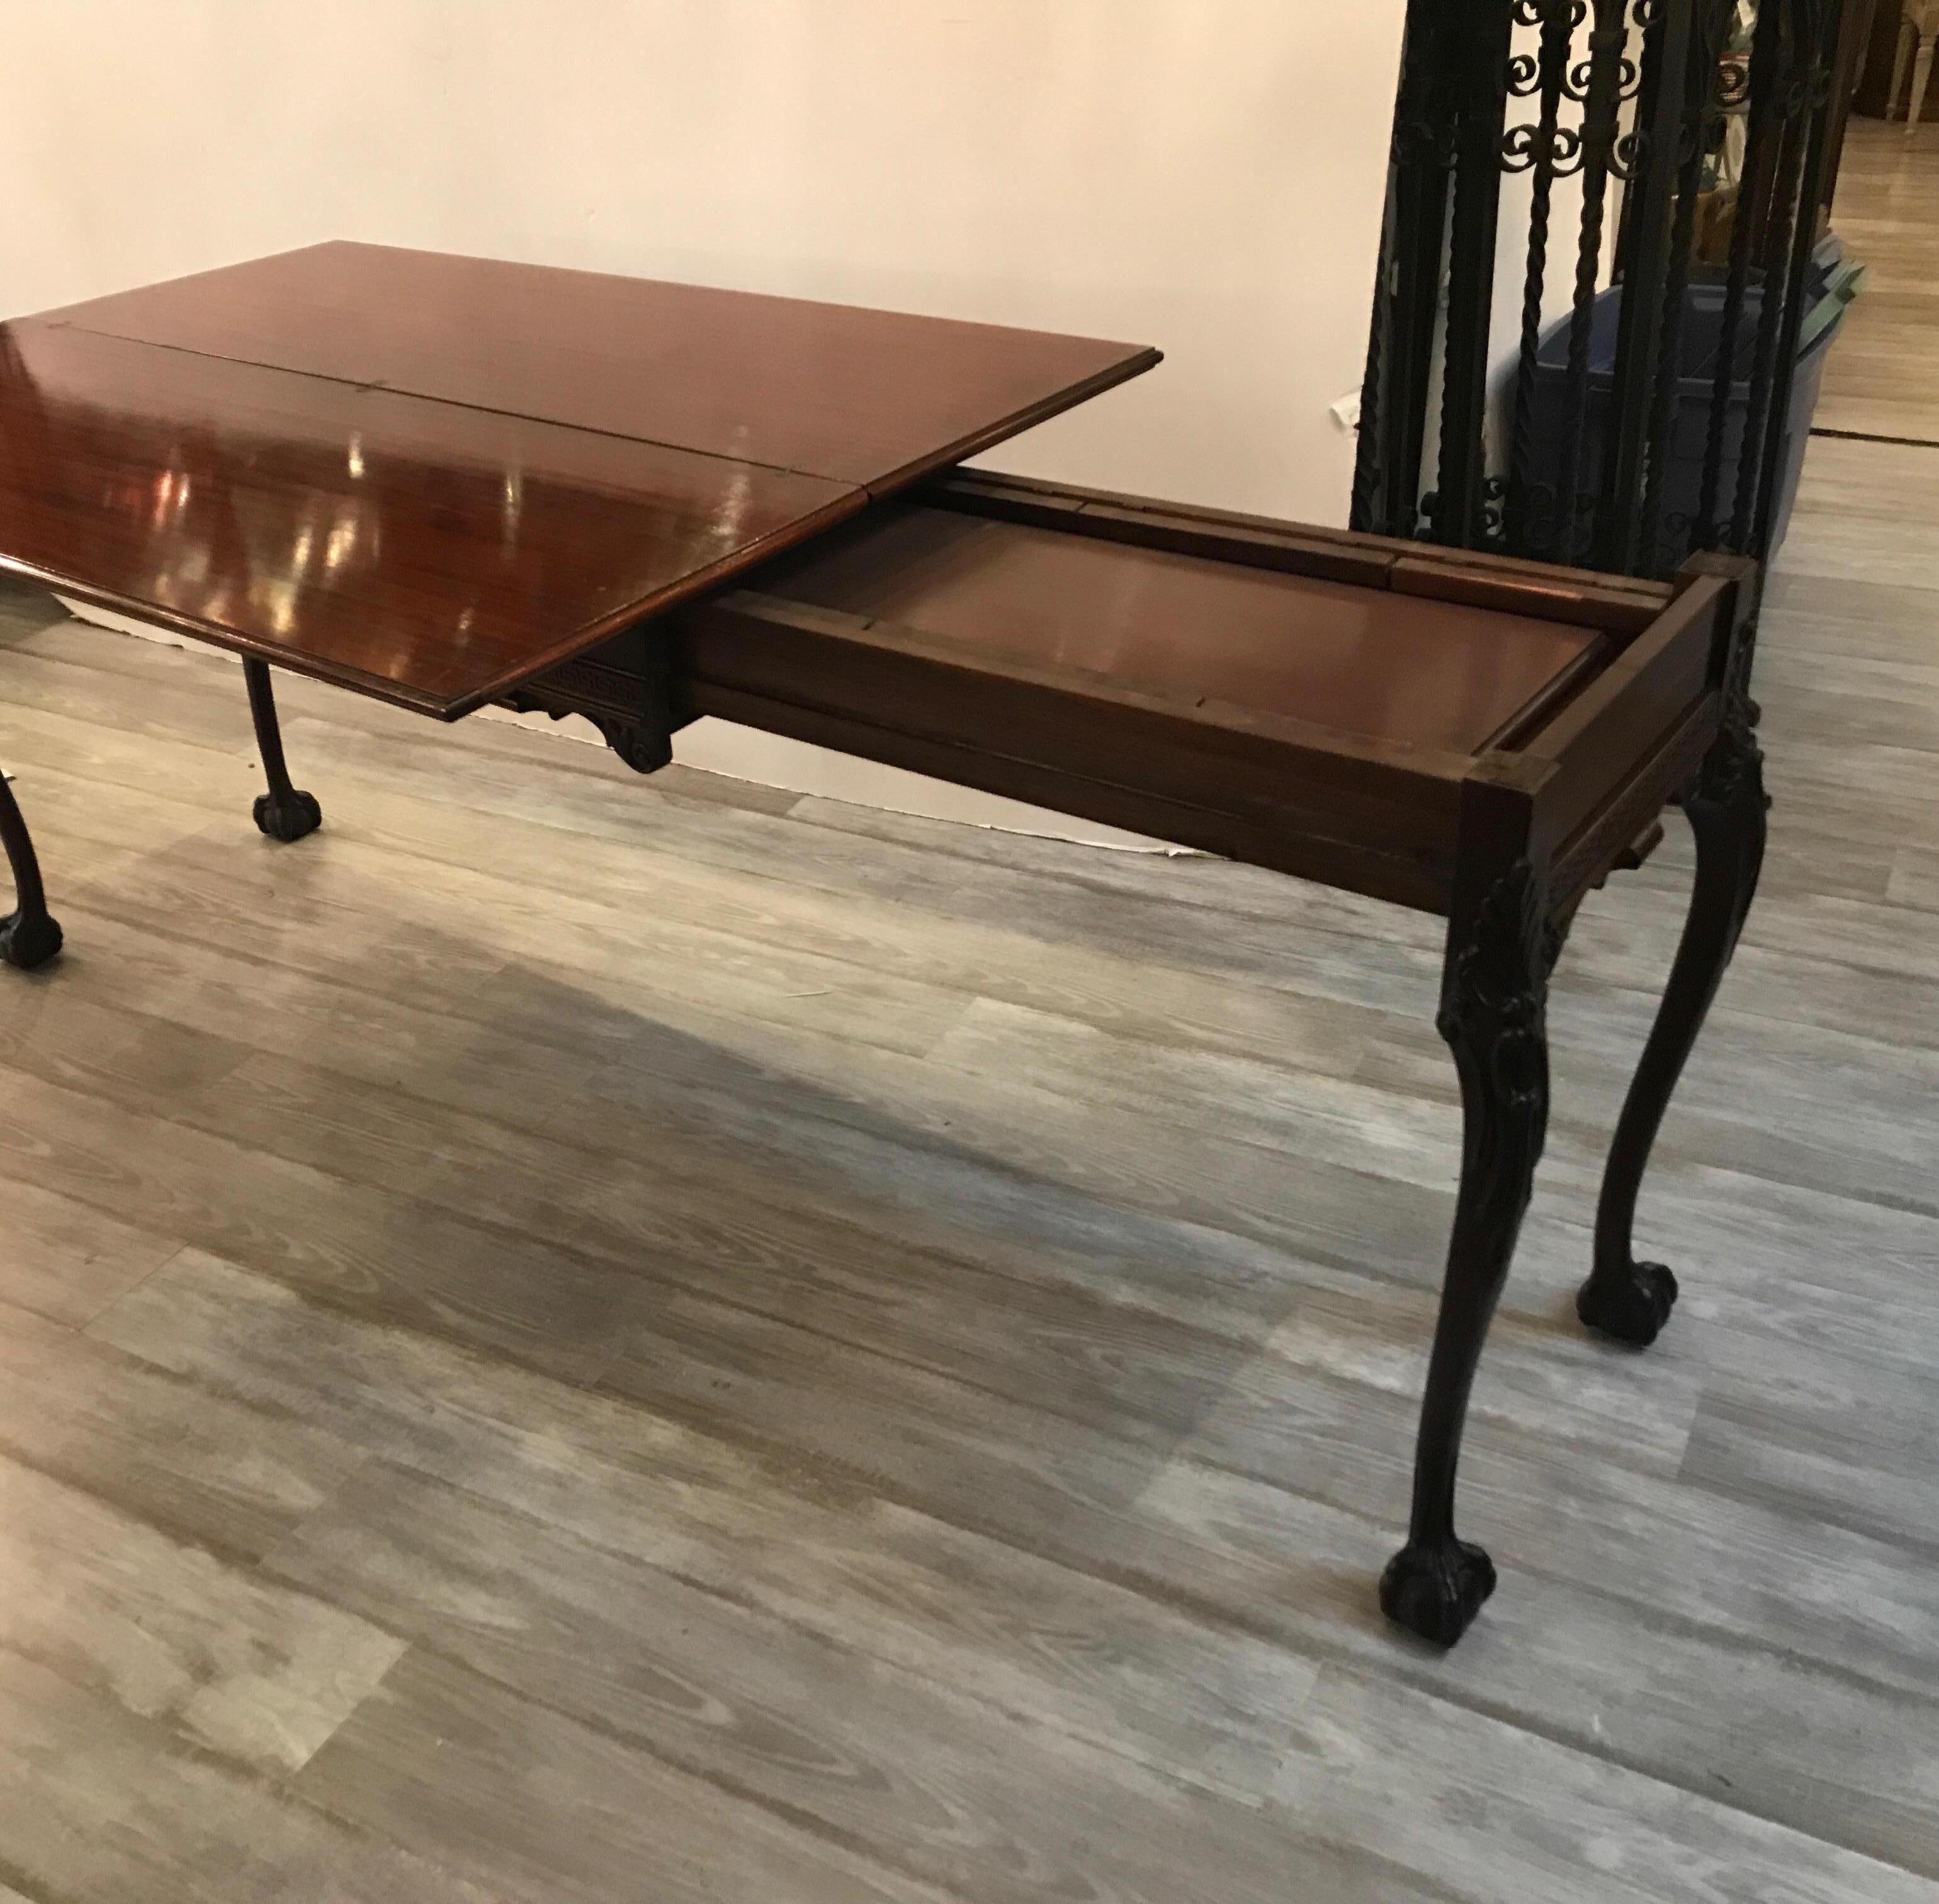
569 1338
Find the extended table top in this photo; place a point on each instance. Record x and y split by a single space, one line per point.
432 477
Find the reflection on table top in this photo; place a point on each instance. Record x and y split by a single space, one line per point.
432 477
423 550
873 398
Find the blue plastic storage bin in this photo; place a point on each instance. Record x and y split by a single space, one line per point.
1832 285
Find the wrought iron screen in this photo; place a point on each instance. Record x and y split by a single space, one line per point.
1595 269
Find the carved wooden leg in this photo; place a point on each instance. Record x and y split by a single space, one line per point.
1623 1298
1494 1015
283 812
28 935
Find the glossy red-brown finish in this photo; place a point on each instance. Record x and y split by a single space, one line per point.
1394 668
872 398
432 554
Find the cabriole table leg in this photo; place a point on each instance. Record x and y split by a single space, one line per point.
1494 1015
284 812
1623 1298
28 935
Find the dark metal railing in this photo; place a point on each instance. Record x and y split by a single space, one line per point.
1675 177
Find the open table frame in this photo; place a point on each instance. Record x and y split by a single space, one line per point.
1503 835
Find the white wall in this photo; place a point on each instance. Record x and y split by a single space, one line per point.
1203 174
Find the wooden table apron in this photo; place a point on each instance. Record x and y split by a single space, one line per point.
447 481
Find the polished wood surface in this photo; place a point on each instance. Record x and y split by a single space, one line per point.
873 398
1547 591
430 552
431 478
1365 661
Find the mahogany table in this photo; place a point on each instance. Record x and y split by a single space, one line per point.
447 482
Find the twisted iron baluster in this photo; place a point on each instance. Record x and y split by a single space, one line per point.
1367 471
1763 84
1700 115
1646 160
1780 228
1551 146
1484 45
1413 246
1817 63
1606 42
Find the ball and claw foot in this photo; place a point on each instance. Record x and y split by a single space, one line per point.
27 943
1631 1309
288 816
1436 1592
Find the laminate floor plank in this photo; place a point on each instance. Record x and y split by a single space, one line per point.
1285 1563
890 923
106 1808
1763 1258
467 1773
1871 1095
1840 701
748 1084
67 1262
1262 1555
26 609
175 707
790 1536
1623 940
782 1142
1816 989
527 737
590 950
545 903
1844 1439
1882 375
412 1262
253 1671
1864 512
1876 617
203 1468
1500 1813
621 1197
928 1783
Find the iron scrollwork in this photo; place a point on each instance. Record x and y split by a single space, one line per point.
1633 99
